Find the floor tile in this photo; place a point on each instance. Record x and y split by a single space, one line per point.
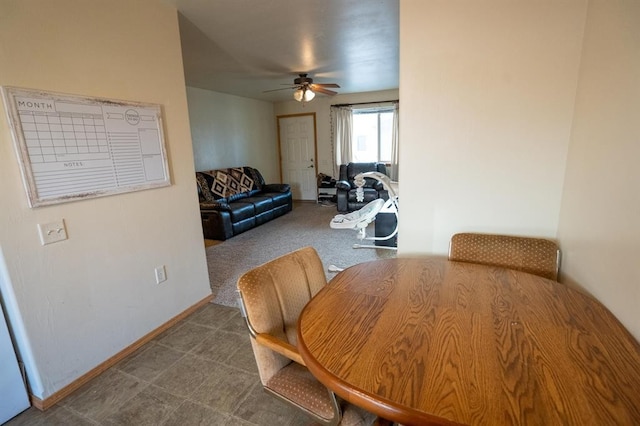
221 345
148 408
104 395
186 336
55 416
186 375
244 359
235 324
212 315
261 408
190 413
199 372
150 362
224 389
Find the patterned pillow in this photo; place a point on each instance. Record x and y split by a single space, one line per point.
204 187
222 184
244 178
225 183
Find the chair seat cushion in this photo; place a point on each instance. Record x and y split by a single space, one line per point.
295 383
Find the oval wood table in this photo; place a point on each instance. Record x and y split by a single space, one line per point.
428 341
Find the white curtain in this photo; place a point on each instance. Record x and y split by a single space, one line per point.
393 173
341 130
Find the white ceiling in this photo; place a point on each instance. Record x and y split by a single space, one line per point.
244 47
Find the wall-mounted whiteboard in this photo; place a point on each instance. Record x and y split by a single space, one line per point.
76 147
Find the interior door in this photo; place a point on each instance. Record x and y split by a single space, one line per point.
297 138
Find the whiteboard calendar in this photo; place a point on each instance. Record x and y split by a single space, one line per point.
75 147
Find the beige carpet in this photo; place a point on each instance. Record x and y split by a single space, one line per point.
306 225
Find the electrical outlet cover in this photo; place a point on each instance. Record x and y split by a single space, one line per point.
161 274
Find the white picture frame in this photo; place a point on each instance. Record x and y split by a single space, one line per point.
73 147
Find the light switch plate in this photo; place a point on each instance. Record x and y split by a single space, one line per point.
52 232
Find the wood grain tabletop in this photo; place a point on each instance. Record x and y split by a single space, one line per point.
428 341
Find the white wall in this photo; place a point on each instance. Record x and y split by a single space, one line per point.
231 131
487 92
599 223
321 106
76 303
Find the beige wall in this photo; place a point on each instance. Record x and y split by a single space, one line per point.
321 107
75 303
487 91
521 118
231 131
599 222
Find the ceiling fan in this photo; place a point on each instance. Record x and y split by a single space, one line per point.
306 89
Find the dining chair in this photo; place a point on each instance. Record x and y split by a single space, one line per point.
272 297
536 256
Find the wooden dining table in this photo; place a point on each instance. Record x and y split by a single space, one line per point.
423 341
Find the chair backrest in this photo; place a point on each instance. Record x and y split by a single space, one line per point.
274 295
350 171
533 255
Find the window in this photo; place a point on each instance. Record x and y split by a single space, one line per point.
372 130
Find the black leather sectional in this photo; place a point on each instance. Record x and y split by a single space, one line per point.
237 199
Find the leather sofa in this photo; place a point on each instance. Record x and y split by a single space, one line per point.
346 188
238 199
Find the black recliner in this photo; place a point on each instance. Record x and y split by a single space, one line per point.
346 188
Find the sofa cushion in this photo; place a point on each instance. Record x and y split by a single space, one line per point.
277 187
261 204
236 197
241 211
264 217
279 198
243 225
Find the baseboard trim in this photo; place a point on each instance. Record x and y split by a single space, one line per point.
44 404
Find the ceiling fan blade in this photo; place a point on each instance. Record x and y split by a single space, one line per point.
318 89
337 86
284 88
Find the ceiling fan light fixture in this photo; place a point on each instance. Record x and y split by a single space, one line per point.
303 94
308 95
306 89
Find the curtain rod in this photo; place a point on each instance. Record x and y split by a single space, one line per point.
366 103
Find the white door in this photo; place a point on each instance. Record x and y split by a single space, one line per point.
297 135
14 399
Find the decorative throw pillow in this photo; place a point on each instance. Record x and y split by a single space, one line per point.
204 187
225 183
243 182
220 184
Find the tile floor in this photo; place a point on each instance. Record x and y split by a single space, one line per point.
199 372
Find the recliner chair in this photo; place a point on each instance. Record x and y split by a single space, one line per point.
346 188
